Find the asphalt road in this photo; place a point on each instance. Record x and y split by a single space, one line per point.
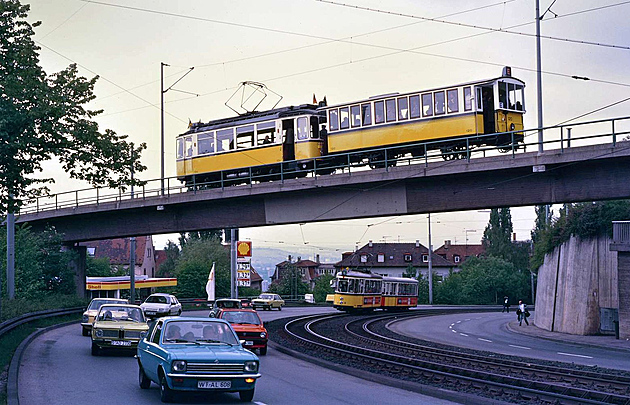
57 368
488 331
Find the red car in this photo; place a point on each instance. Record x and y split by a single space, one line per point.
248 326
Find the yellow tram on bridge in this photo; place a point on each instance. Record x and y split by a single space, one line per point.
295 140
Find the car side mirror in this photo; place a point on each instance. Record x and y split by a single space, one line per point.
212 315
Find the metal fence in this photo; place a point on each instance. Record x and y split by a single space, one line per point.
556 138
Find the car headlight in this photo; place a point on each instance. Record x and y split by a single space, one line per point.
99 333
263 335
251 366
179 366
85 319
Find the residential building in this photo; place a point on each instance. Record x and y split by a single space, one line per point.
393 259
117 251
310 270
458 254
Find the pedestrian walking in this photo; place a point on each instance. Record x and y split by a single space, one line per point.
522 313
506 304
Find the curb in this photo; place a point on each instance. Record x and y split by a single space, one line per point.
14 367
559 339
427 390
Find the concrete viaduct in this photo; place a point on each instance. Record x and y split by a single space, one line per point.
587 173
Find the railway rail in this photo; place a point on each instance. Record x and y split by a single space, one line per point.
368 344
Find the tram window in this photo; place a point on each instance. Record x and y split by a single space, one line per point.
189 146
355 114
439 102
314 127
518 97
366 114
414 106
343 286
427 105
390 110
467 99
333 120
403 108
479 98
344 115
265 133
205 143
180 148
503 95
302 128
225 139
379 112
453 101
245 137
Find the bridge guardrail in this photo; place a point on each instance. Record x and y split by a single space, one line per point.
13 323
558 137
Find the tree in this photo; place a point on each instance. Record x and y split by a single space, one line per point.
543 220
322 287
43 117
167 268
193 268
498 233
290 284
410 272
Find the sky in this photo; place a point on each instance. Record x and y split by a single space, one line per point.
345 51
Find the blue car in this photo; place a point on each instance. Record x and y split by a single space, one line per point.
196 355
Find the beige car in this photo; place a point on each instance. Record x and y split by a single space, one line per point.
92 310
118 326
268 301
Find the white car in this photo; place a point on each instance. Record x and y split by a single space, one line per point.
160 304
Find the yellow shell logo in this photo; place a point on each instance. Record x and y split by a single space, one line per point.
244 249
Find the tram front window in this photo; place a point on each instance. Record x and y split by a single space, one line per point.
343 286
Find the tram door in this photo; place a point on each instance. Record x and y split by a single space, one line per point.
487 97
288 142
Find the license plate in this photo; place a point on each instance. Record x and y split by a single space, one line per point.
214 384
121 343
249 343
150 312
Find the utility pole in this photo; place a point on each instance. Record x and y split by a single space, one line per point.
132 257
10 250
539 79
430 265
233 257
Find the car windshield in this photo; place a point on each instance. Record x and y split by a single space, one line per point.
241 317
112 313
227 304
266 297
199 332
156 299
95 305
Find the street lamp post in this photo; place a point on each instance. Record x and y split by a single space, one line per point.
430 265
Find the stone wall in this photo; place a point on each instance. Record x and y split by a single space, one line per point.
575 280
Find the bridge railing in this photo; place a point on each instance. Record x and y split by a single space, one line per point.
555 138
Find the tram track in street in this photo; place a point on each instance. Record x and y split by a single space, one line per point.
366 342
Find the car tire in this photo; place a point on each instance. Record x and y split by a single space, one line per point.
143 380
179 312
280 308
95 349
254 307
166 394
246 396
85 332
263 351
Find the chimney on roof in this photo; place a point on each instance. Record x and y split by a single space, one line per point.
417 243
513 236
370 243
317 258
299 258
447 244
289 259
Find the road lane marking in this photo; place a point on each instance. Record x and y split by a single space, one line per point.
453 330
463 334
485 340
521 347
458 322
575 355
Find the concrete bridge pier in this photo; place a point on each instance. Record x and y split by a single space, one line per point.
78 266
621 244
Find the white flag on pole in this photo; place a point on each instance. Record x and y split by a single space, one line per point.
210 284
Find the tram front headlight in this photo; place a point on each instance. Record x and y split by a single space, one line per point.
512 127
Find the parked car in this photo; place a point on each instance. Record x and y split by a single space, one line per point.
118 326
224 303
196 355
246 303
92 310
268 301
160 304
248 326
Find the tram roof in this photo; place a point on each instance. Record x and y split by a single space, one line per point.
400 279
393 95
360 274
252 117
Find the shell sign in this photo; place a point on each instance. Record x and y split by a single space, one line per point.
244 249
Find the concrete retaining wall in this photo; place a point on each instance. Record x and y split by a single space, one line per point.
575 280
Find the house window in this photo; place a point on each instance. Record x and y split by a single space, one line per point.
91 251
456 259
407 257
363 258
380 258
425 258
